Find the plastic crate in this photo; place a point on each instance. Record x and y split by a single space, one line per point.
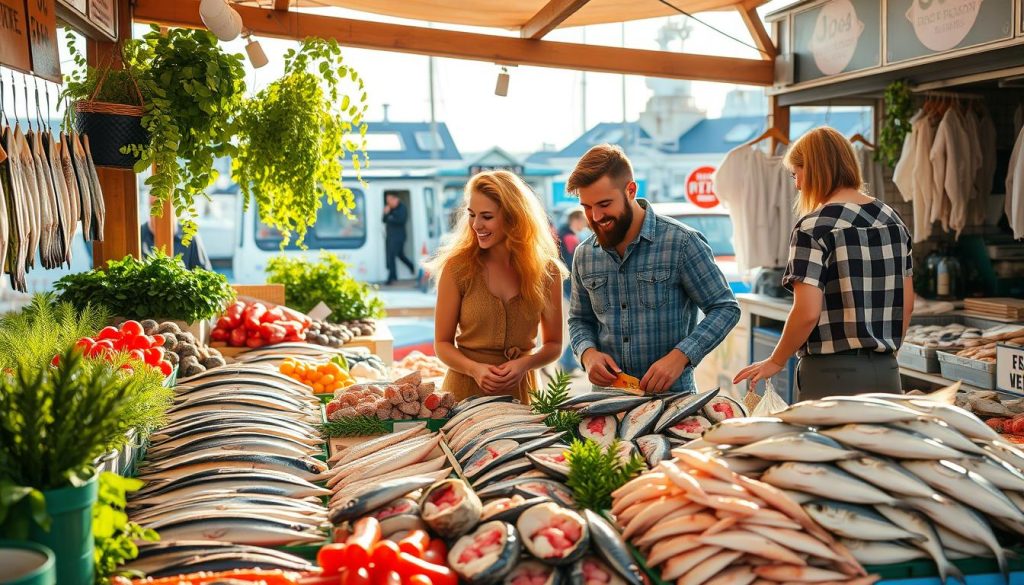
973 372
917 357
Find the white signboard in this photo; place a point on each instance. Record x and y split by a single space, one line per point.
941 25
836 33
1010 368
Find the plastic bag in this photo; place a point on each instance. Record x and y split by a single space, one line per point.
771 402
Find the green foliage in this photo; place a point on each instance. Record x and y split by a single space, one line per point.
117 88
196 92
43 329
548 400
594 473
158 286
20 508
353 426
899 108
115 535
307 283
295 136
54 421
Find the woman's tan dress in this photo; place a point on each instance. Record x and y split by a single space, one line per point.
491 332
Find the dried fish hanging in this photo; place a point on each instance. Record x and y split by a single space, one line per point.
99 210
19 220
4 224
61 249
46 200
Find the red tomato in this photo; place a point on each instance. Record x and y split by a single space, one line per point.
55 361
393 578
138 354
365 534
85 344
158 340
254 342
153 355
237 337
100 348
436 552
141 342
382 560
109 333
132 328
165 368
415 543
408 565
419 580
331 558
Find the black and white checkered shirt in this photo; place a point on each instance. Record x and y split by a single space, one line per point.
858 256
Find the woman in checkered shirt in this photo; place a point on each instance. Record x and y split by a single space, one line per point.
850 273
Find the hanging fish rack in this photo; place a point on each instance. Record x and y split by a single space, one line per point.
49 187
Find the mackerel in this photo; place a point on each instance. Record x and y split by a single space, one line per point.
239 442
891 442
963 521
515 432
916 522
229 428
249 529
436 464
244 481
887 475
303 467
966 486
397 461
373 445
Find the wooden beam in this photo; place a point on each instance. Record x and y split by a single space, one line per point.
163 229
748 12
553 14
282 5
778 117
120 190
461 45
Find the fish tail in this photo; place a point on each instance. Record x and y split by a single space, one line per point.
948 569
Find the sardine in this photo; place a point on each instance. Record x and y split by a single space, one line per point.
824 481
891 442
383 494
303 467
916 522
965 486
805 446
887 475
856 522
743 431
835 411
242 529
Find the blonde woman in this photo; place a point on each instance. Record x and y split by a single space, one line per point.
500 279
850 272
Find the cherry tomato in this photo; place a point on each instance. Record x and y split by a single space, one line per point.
436 552
393 578
140 342
419 580
415 543
132 328
365 534
138 354
85 344
158 340
408 565
100 348
109 333
55 361
165 368
331 558
356 576
153 355
382 560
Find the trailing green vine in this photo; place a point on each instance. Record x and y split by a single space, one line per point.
296 135
196 93
899 108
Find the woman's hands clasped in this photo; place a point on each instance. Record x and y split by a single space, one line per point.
501 379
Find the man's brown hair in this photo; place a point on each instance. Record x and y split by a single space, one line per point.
603 160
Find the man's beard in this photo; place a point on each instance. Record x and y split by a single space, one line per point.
617 232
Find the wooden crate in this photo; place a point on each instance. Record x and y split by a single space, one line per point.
381 343
271 293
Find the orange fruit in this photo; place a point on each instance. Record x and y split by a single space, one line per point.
333 369
318 388
287 368
327 379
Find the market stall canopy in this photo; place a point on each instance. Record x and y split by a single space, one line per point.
515 14
534 19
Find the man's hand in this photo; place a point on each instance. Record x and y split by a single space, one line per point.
601 368
664 372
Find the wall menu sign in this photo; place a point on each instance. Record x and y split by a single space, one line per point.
42 29
837 36
14 44
103 13
918 28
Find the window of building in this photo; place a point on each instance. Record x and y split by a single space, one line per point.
334 230
384 141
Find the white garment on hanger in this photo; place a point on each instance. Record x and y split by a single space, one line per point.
903 173
924 195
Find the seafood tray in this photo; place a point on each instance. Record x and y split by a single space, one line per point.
916 357
974 372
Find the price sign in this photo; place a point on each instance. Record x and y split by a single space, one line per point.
700 189
1010 368
14 51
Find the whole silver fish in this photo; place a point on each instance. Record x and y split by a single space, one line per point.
941 431
383 494
805 446
743 431
241 529
856 522
965 486
1003 475
956 417
876 552
302 467
917 523
963 521
824 481
887 475
835 411
891 442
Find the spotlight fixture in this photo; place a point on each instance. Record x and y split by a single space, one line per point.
501 88
256 55
221 19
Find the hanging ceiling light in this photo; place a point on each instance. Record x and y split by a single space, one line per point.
501 88
256 55
221 19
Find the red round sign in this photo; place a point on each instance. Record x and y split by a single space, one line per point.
700 189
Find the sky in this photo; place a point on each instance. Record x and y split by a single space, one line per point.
544 106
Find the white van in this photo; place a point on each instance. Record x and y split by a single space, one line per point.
359 240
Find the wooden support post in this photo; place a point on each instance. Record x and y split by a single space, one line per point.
778 117
549 17
120 191
748 12
163 229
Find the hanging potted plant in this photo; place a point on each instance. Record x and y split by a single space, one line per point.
196 91
108 106
295 137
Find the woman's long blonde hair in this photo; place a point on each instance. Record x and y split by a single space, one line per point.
528 236
829 164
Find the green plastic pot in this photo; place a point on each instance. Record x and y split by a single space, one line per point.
26 563
70 535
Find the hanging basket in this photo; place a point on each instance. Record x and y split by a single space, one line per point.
111 127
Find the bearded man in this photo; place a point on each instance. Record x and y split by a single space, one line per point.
638 283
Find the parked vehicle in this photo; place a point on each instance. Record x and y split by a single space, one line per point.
716 225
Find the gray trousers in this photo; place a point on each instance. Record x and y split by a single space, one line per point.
847 373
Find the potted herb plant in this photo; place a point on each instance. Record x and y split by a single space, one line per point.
296 136
53 422
108 105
